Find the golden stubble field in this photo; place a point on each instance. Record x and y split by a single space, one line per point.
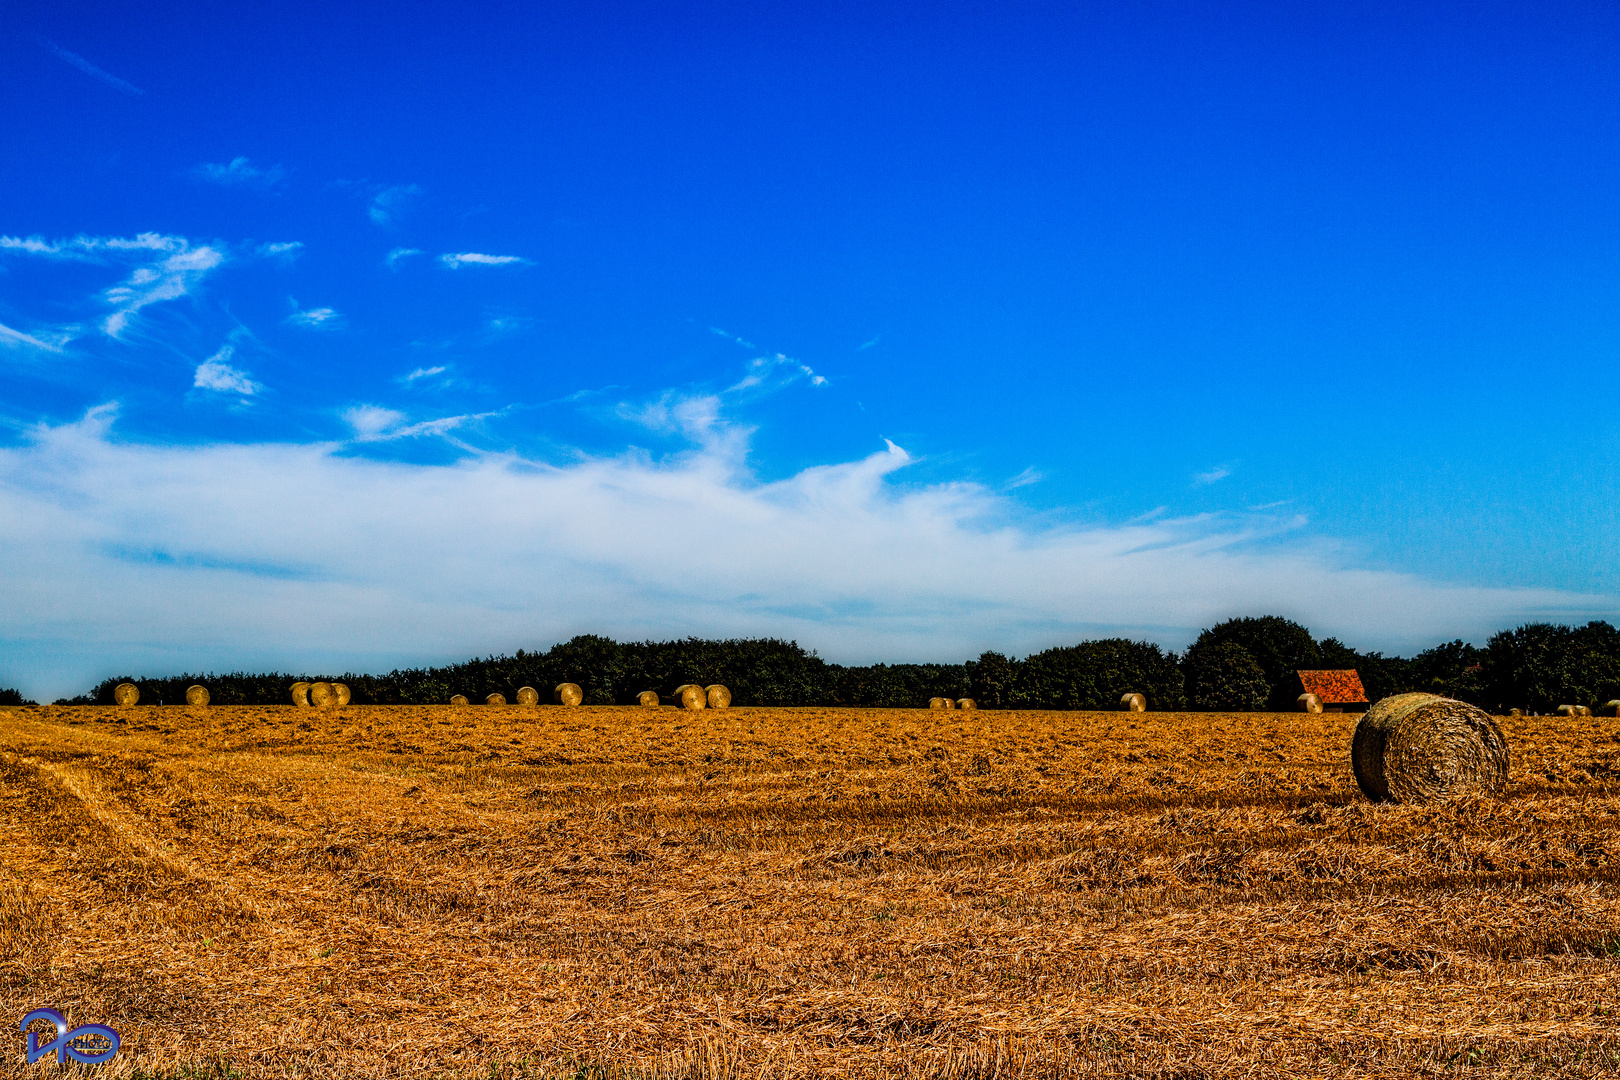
501 891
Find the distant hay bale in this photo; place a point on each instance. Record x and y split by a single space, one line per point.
1310 703
693 697
458 699
300 694
649 698
568 694
528 695
1612 708
1583 710
966 703
717 696
1416 748
1568 710
196 695
681 689
321 694
1133 703
1515 712
340 694
937 703
126 693
495 699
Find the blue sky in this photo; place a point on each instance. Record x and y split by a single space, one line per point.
354 337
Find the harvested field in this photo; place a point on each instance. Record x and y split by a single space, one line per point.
584 892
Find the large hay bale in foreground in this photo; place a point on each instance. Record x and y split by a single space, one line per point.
126 693
1310 703
966 703
196 695
1133 703
528 695
648 698
494 699
300 694
568 694
717 696
693 697
1416 748
321 694
458 699
340 694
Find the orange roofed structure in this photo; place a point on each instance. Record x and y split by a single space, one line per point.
1338 691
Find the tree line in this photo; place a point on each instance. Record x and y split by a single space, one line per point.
1239 665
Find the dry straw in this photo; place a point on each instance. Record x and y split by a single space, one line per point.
1133 703
966 703
458 699
568 694
693 697
321 694
648 698
1310 703
1416 748
126 693
300 694
495 699
528 695
196 695
717 696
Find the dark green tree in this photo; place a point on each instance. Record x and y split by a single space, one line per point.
1280 646
1226 678
993 680
1096 674
13 697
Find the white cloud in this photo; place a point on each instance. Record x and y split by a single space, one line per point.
168 267
315 318
388 203
90 69
1218 473
286 250
216 373
399 253
405 562
43 341
473 258
240 172
424 373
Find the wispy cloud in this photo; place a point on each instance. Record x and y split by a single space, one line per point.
374 423
90 69
474 258
321 318
1024 479
240 172
216 374
1218 473
399 253
165 267
286 250
867 344
387 204
44 342
839 556
424 373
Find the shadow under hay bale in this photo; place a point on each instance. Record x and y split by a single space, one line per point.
126 693
1133 703
717 696
196 695
321 694
299 692
568 694
1310 703
528 695
693 697
495 699
340 694
458 699
648 698
1417 748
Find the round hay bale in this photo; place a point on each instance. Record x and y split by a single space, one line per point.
300 694
1310 703
568 693
126 693
693 697
321 694
1583 710
1612 708
1515 712
649 698
495 699
196 695
966 703
1568 710
937 703
340 694
681 689
717 696
1133 703
528 695
1416 748
458 699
